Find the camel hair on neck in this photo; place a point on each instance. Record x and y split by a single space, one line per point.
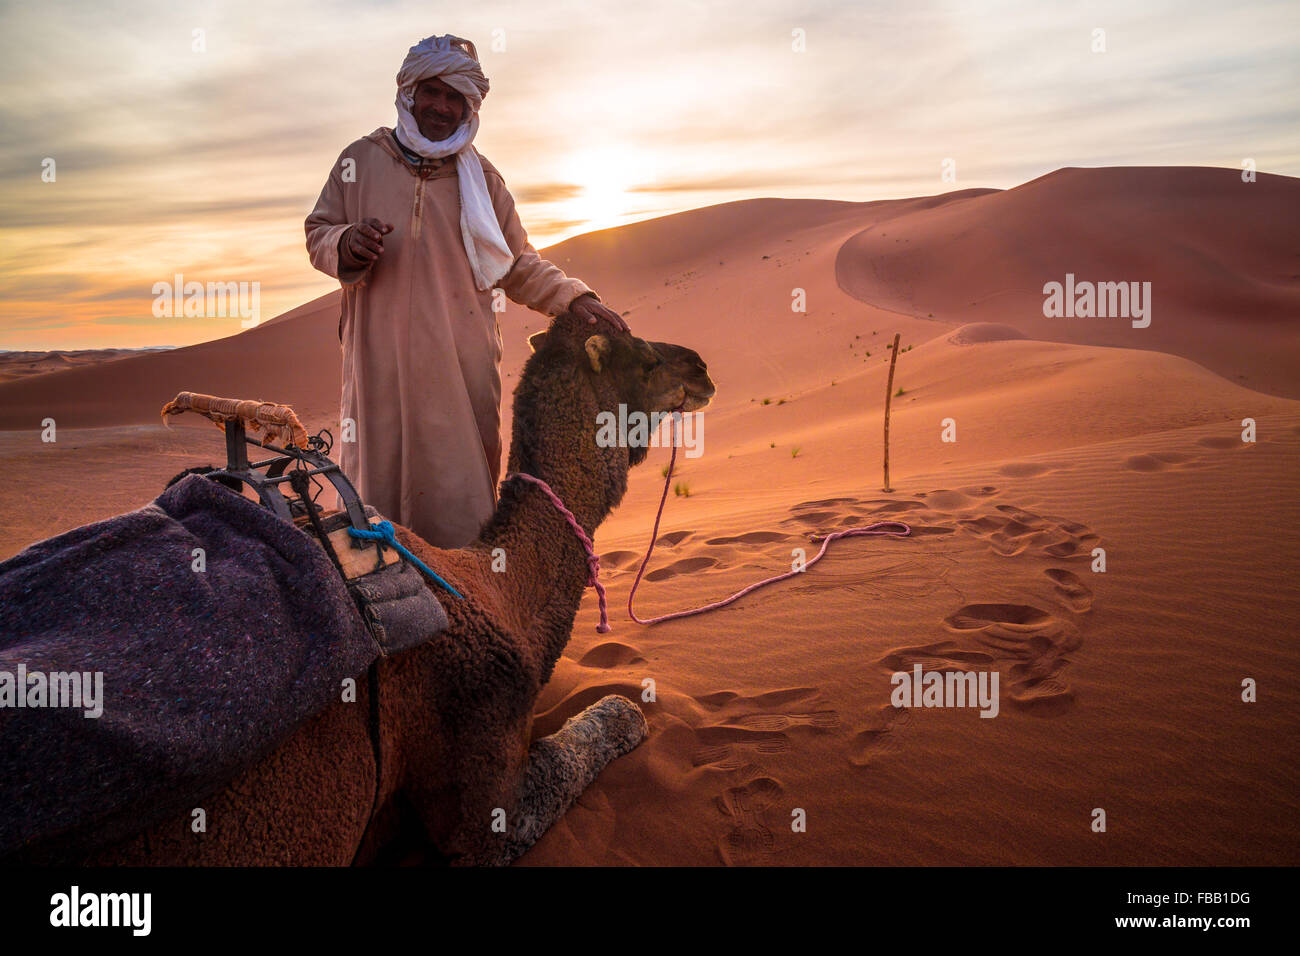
459 777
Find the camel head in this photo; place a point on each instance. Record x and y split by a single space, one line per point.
577 372
622 369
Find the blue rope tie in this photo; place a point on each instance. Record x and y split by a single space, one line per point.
384 532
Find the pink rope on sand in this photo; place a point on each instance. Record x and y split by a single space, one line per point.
593 562
874 529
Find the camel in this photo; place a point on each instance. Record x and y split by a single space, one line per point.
458 778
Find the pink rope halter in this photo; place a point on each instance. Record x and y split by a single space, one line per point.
593 562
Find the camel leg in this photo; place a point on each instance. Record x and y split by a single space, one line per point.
563 765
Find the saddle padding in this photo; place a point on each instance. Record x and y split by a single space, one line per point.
396 602
204 670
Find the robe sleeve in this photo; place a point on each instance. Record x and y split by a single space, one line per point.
326 225
532 281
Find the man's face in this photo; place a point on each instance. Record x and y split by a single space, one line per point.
438 109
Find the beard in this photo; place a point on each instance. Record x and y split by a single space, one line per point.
432 131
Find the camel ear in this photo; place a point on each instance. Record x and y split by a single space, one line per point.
597 348
537 340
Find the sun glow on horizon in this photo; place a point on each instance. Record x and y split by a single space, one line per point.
206 162
606 177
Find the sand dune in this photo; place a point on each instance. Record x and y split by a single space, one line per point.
1222 257
293 362
1120 689
18 365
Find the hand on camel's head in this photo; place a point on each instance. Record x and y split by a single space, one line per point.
594 311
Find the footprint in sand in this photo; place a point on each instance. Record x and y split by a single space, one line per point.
982 615
890 507
611 654
826 502
944 499
1144 463
739 753
750 728
814 518
749 839
1077 595
1018 630
944 656
918 530
818 720
760 724
925 531
983 525
1073 547
1033 641
1024 469
752 537
1028 645
1017 531
881 738
672 538
1156 461
871 511
1221 441
684 566
619 560
1046 696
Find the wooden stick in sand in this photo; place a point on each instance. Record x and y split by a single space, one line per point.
889 394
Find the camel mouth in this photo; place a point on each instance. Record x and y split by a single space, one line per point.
693 401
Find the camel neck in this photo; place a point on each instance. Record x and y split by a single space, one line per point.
543 563
553 438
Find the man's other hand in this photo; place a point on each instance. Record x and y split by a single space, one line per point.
364 242
592 309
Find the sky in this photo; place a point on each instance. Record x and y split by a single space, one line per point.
133 148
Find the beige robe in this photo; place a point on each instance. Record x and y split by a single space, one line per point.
421 345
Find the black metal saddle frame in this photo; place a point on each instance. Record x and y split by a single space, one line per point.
311 462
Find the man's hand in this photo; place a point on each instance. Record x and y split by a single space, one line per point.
364 243
592 309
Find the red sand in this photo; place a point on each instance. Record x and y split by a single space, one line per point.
1121 690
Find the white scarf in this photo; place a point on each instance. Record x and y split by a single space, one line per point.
455 62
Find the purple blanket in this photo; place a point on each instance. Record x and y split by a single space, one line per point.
203 662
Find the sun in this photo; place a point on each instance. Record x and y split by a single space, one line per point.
605 177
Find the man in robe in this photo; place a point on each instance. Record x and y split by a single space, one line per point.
421 232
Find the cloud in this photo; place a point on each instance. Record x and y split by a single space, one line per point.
171 158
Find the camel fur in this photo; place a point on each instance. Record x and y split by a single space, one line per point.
459 776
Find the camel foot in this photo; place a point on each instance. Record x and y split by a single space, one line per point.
622 723
563 765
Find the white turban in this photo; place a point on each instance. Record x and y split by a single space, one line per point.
455 62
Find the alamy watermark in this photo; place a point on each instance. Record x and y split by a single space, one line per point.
1102 300
76 908
73 689
216 300
946 689
639 430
